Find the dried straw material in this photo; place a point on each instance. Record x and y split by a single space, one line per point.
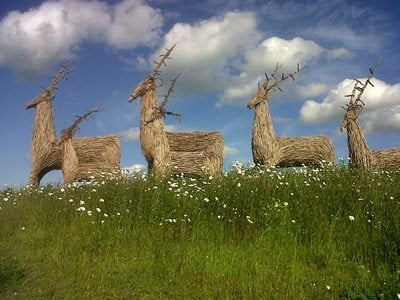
361 156
46 155
269 149
196 153
305 150
94 155
191 153
83 158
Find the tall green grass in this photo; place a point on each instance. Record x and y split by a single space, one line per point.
255 233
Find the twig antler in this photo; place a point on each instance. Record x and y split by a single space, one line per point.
161 112
164 57
71 131
355 103
272 82
62 74
277 82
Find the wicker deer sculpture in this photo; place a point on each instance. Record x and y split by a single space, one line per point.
46 151
268 148
359 153
80 163
189 153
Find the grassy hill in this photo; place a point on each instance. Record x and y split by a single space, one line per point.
255 233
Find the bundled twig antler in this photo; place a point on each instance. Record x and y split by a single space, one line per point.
272 83
179 152
161 112
74 128
164 57
62 74
355 104
270 149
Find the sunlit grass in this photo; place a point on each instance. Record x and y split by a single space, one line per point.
254 233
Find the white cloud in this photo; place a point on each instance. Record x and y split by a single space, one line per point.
264 58
133 23
382 111
33 41
132 170
207 49
170 128
340 53
384 119
230 150
314 89
277 50
131 135
242 88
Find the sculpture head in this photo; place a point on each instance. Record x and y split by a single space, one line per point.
142 88
46 95
352 111
258 98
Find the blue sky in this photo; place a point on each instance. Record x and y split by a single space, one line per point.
223 49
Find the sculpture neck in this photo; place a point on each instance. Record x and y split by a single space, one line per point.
262 123
149 105
359 151
153 138
44 130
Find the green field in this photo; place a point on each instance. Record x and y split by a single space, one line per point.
255 233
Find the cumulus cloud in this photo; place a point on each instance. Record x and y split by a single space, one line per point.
383 119
382 111
277 50
134 169
313 89
340 53
263 58
230 150
207 49
131 134
33 41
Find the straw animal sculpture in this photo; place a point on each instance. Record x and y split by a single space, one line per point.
360 154
268 148
191 153
99 155
46 153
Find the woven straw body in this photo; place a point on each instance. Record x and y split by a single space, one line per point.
153 138
44 149
268 149
70 162
388 159
83 158
189 153
359 153
196 153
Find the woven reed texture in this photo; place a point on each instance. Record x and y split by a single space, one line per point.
70 162
153 140
196 153
361 156
192 153
86 157
95 156
269 149
44 154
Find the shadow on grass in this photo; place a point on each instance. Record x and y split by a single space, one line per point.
11 273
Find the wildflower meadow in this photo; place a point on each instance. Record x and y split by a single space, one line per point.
253 233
